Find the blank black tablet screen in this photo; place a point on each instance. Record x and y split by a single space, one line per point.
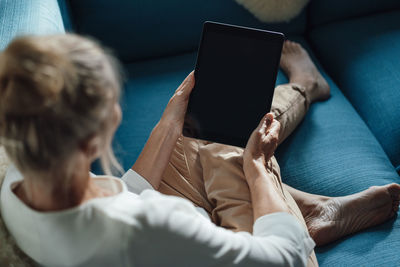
235 77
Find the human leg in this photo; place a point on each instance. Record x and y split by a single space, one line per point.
227 189
215 178
211 176
306 86
183 177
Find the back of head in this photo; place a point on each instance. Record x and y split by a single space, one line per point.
55 92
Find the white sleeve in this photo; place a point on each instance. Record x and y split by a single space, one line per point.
135 182
181 237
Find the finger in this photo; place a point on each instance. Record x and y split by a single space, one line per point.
275 126
262 126
270 118
274 129
186 86
265 122
185 80
272 138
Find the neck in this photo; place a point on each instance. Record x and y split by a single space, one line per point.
57 190
39 195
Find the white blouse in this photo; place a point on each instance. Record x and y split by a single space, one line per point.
140 227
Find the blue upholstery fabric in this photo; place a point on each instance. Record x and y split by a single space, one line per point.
149 87
152 28
64 8
332 152
326 11
18 17
363 59
377 246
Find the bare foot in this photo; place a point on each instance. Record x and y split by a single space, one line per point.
297 64
330 218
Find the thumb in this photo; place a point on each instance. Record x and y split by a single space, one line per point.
186 86
275 128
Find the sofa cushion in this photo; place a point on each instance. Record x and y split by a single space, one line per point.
148 89
152 28
333 153
376 246
18 17
326 11
363 58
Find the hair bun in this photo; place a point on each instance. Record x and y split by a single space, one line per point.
30 79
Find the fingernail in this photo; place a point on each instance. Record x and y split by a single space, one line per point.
268 119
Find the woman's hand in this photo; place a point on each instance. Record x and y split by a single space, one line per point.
266 197
174 113
262 142
155 155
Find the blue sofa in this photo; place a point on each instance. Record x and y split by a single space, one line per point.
344 145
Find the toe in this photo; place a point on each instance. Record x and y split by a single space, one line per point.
286 46
394 191
291 46
296 45
396 205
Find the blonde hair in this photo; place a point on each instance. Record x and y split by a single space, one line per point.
55 93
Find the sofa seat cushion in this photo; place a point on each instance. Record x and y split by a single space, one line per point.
362 57
154 28
333 153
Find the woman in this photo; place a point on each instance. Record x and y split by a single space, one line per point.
58 112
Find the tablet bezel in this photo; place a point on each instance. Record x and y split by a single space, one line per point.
241 31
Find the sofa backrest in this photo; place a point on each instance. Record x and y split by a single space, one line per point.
326 11
138 29
19 17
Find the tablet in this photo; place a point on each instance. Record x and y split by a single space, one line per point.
235 76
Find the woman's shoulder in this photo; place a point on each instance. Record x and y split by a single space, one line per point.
12 175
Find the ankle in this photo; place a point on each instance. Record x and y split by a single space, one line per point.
312 204
307 81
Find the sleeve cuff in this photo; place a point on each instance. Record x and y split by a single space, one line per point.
284 225
136 183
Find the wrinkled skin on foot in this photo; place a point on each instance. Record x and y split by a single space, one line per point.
329 219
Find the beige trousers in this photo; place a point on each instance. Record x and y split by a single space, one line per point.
211 175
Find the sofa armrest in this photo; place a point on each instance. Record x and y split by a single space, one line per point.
19 17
